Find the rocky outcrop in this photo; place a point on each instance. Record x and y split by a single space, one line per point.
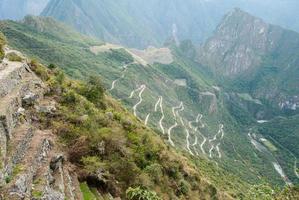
238 44
31 165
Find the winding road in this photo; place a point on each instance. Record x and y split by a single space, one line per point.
162 118
195 129
211 151
194 145
220 131
141 89
146 119
186 130
174 125
122 76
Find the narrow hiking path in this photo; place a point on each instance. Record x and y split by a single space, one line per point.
141 90
125 67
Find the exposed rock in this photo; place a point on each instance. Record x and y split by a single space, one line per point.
51 194
29 99
56 161
83 118
21 111
101 147
238 44
46 109
110 115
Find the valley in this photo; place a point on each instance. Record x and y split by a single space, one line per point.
201 105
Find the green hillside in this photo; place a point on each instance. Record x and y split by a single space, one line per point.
204 109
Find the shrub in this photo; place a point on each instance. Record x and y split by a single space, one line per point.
141 194
87 193
155 171
14 57
52 66
2 44
184 187
39 70
120 55
91 163
94 91
260 192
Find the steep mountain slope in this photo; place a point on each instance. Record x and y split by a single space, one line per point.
177 99
51 148
258 65
136 23
17 9
258 58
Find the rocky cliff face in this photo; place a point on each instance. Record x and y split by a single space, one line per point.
258 58
238 44
30 160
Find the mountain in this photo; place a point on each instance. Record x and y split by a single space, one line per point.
17 9
258 58
165 89
257 63
134 23
167 102
51 148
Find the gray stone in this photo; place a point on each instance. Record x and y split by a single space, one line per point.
110 115
56 161
29 99
21 111
51 194
46 109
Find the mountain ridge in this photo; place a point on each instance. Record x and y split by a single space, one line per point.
157 89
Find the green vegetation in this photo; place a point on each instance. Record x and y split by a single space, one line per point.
102 137
2 43
87 194
141 194
13 57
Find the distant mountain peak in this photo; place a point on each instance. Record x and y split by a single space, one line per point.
237 44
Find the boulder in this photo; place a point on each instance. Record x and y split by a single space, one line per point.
56 161
46 109
51 194
29 99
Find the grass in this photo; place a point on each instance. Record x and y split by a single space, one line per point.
87 193
269 145
13 57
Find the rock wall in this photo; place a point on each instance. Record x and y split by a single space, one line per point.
31 164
